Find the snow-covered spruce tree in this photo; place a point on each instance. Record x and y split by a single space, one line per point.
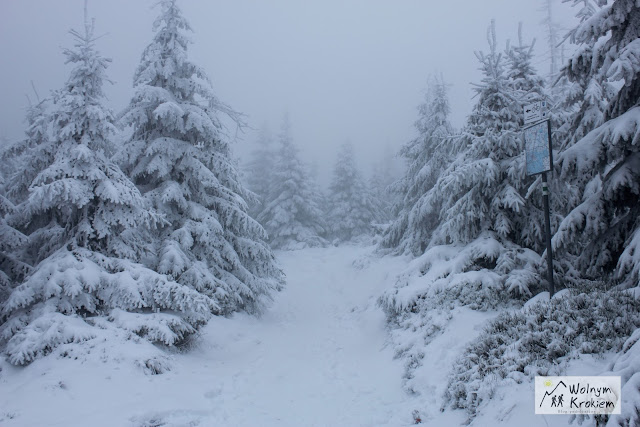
380 183
578 106
528 87
20 163
604 229
12 269
28 157
259 171
319 197
581 102
562 95
180 160
426 156
526 84
81 219
291 215
481 194
352 209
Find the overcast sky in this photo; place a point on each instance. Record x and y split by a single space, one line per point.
343 69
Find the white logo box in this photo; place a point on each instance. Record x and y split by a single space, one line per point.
577 395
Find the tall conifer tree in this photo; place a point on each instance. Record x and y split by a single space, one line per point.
481 195
352 210
603 231
291 215
181 161
427 156
260 171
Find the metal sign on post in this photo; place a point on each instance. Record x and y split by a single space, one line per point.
535 112
537 146
539 156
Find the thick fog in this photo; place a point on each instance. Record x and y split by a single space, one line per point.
343 70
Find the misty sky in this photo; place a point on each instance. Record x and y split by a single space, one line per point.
343 69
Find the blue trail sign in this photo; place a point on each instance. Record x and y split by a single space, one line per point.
537 145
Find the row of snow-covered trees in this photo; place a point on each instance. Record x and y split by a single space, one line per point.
467 186
136 222
292 207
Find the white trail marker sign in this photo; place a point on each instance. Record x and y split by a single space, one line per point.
535 112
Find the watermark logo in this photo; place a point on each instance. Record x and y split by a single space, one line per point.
577 395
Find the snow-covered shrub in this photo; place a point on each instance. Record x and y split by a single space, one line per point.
410 333
627 366
482 275
155 365
537 340
73 291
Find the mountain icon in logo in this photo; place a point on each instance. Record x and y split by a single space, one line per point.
546 393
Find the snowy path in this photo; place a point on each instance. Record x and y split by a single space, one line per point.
316 358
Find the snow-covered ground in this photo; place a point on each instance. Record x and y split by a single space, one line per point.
318 357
